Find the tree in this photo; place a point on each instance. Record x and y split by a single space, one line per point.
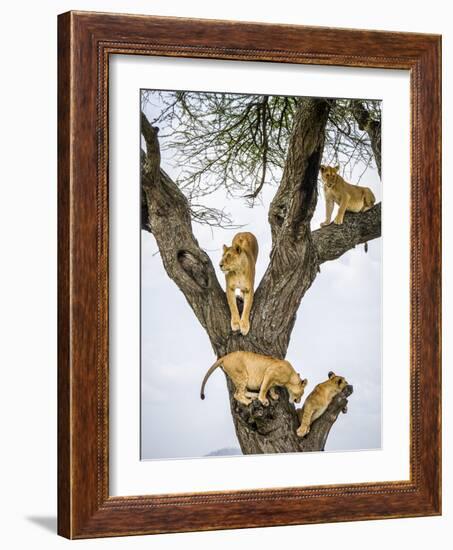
297 252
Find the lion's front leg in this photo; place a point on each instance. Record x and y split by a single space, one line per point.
274 395
265 387
307 415
329 210
235 319
244 323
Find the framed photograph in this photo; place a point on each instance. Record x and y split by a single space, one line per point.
249 275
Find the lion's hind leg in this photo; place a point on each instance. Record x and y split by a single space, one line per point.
236 372
342 209
368 200
242 395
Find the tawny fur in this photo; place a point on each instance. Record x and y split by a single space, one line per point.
238 263
318 400
351 198
252 372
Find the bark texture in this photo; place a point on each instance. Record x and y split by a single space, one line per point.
332 241
294 263
372 127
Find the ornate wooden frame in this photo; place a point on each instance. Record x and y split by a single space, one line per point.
85 41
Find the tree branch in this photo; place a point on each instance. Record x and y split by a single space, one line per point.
295 200
168 218
333 240
371 126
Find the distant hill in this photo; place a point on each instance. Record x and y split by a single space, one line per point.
226 451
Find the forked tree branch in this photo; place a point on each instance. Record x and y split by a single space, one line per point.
293 266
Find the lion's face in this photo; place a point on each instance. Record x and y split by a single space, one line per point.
231 259
339 382
297 388
328 174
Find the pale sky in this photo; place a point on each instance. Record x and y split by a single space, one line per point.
338 328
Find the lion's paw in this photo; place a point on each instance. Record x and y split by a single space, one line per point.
235 325
244 327
302 432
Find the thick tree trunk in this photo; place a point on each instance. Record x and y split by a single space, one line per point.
294 263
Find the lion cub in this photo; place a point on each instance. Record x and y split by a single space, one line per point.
352 198
317 402
238 263
259 373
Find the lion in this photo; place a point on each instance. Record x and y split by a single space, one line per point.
253 372
317 402
351 198
238 263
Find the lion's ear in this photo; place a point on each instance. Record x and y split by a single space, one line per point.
225 248
238 249
322 167
336 168
304 382
331 374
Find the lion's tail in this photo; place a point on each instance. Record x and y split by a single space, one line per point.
368 200
208 374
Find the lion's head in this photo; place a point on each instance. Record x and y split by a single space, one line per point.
329 174
231 259
338 382
296 388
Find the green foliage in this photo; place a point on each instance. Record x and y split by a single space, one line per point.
239 142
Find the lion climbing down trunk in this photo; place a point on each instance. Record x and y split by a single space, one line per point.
238 263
